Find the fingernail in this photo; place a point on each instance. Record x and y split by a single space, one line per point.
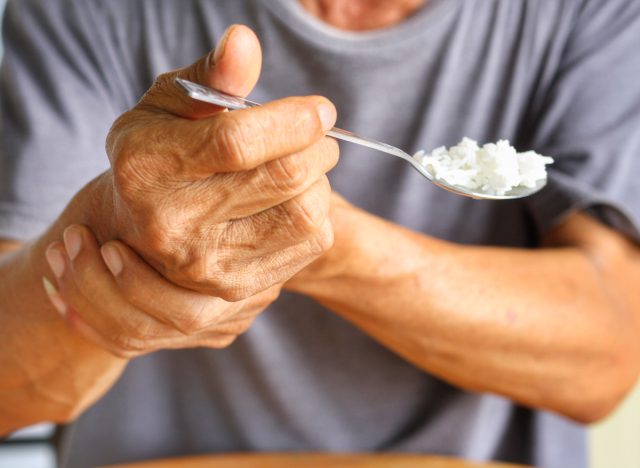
72 242
327 115
222 43
112 258
56 262
54 297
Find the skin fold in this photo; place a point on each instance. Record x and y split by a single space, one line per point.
215 239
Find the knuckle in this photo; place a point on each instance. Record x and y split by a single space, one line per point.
221 341
139 329
236 327
159 251
126 168
194 322
308 214
218 272
159 241
323 239
117 130
122 353
238 285
270 295
127 346
198 272
217 278
162 79
158 87
236 293
289 174
135 164
231 143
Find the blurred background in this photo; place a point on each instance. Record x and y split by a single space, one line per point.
614 443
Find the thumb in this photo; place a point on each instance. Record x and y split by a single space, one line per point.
233 67
236 62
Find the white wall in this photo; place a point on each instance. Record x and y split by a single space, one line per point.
615 443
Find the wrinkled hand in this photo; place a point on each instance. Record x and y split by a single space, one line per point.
345 220
225 203
121 304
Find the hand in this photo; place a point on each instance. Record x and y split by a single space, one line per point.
123 305
226 203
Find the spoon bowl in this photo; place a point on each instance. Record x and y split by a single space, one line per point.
203 93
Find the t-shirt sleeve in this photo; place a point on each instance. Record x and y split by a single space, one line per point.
589 121
56 105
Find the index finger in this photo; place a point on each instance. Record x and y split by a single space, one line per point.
241 140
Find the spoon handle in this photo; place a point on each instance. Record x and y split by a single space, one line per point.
213 96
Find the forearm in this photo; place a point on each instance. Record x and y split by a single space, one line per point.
534 325
47 372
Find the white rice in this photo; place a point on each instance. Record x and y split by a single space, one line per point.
494 169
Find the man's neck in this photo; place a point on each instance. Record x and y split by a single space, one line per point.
362 15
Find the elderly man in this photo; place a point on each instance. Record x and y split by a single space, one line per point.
408 318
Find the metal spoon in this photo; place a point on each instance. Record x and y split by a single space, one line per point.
212 96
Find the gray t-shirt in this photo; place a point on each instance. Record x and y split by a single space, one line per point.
557 76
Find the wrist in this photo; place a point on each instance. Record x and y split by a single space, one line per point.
368 252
